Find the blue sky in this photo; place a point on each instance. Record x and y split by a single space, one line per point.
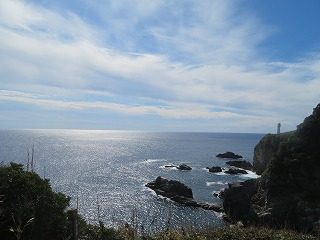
161 65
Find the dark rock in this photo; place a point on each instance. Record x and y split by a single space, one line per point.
185 201
240 164
229 155
216 194
236 171
213 207
184 167
215 169
170 188
179 193
170 166
236 199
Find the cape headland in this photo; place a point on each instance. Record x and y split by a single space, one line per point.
287 193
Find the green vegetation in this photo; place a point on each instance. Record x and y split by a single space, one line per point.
29 209
291 181
295 167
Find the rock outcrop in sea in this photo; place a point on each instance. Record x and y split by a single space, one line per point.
240 164
287 194
214 169
179 192
236 171
184 167
229 155
172 189
227 171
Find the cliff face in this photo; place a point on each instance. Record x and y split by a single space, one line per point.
266 148
287 194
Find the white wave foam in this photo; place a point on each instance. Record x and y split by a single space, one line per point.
249 175
216 183
219 214
154 160
169 167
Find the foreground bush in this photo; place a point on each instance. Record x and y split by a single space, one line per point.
29 209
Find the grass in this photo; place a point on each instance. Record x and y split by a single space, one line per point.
217 233
133 231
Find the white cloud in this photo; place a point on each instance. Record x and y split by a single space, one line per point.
205 66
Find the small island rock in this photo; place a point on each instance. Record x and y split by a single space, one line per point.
184 167
179 192
229 155
236 171
170 188
215 169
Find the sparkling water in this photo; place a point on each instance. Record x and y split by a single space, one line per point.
105 172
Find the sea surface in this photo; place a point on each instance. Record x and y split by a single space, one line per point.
105 172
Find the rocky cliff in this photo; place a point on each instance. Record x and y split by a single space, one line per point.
287 194
266 148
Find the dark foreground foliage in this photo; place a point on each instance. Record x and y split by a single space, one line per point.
29 209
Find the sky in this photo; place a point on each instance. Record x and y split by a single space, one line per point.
160 65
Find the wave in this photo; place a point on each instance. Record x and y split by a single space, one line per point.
154 160
169 167
216 183
249 175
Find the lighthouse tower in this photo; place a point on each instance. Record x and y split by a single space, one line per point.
278 129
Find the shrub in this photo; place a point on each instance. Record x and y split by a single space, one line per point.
29 208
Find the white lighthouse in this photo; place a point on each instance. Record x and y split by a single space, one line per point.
278 129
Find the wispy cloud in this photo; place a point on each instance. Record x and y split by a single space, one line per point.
192 59
183 111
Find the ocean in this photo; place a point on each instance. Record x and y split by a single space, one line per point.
105 172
